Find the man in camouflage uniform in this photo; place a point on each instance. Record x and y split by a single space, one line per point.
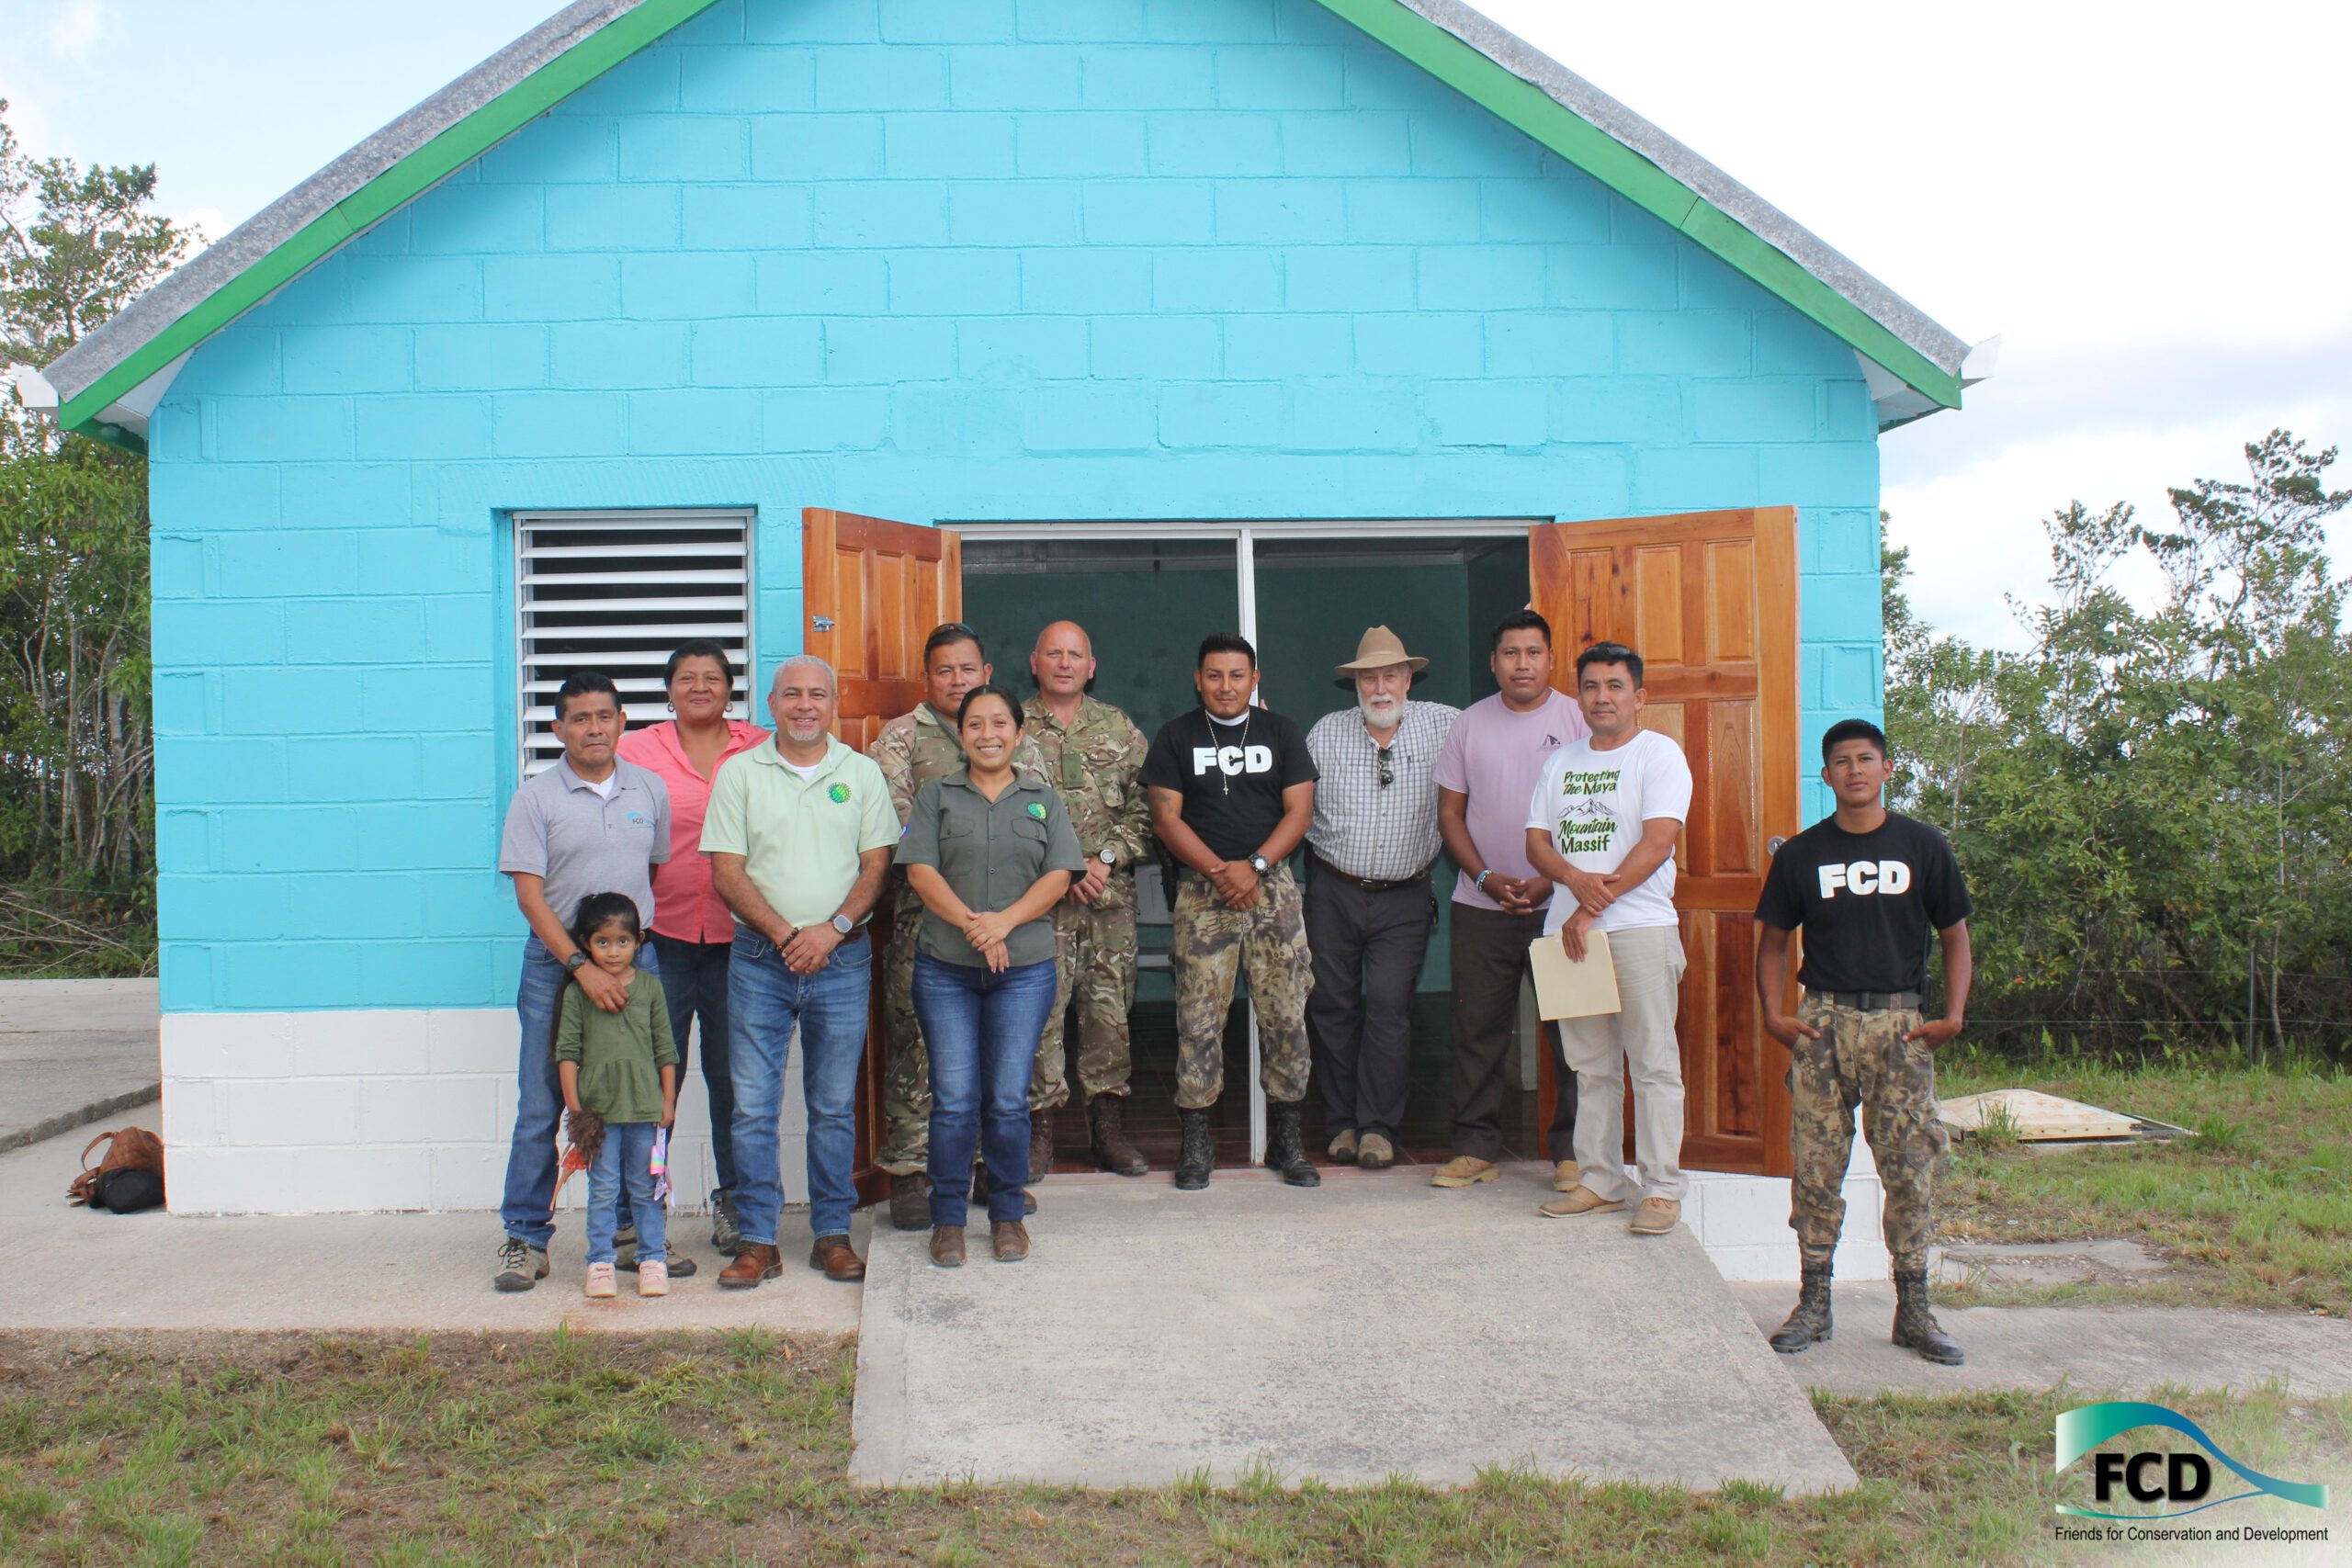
1866 886
911 750
1093 753
1232 793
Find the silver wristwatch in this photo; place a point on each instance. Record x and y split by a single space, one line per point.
1109 857
844 924
1261 865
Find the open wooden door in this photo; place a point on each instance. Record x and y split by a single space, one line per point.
1710 602
872 590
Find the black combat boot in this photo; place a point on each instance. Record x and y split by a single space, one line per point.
1809 1325
1286 1147
910 1202
1197 1154
1113 1149
1915 1328
1040 1143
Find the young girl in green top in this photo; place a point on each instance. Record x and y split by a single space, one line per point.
622 1069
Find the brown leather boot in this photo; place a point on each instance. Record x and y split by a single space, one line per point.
757 1261
911 1201
1113 1149
833 1256
947 1246
1009 1240
1040 1143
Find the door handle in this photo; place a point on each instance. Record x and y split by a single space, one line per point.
1772 845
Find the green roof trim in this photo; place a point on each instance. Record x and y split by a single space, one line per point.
409 178
1448 39
1531 110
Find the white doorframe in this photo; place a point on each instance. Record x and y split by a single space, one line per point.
1245 537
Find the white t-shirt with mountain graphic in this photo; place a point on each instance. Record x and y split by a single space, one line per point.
1594 803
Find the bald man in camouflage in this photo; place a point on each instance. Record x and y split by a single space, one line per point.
1093 753
911 750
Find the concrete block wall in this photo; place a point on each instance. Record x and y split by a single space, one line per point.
1010 258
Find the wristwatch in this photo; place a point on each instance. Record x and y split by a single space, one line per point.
844 924
576 962
1261 865
1109 857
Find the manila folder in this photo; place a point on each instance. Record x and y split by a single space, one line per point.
1564 989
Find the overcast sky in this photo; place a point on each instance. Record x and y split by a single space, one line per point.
2143 203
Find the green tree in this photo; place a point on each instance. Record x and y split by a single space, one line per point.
2154 802
76 746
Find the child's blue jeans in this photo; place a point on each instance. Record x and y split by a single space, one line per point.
627 1161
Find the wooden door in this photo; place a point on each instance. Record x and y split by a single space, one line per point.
1710 602
873 590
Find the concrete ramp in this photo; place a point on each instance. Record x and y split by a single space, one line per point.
1376 1326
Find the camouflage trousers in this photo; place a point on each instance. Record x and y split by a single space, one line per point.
1862 1059
906 1064
1094 949
1207 945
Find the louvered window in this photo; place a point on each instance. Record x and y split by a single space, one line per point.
616 592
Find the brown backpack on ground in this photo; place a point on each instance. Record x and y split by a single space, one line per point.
127 1148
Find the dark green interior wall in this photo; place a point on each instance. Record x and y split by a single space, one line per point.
1146 624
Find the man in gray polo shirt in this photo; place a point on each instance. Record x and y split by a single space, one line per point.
591 824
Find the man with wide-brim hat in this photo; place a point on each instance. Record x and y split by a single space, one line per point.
1370 909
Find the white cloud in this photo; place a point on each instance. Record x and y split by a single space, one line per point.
76 27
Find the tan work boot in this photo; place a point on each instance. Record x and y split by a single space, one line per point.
1576 1200
1344 1148
1655 1216
1374 1152
1566 1174
1463 1170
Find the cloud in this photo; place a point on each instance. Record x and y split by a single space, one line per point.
76 27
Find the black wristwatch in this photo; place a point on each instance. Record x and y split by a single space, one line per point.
1261 865
1109 857
576 962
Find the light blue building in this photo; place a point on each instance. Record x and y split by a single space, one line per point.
1285 314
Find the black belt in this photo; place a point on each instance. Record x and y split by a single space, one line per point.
1872 1001
1367 884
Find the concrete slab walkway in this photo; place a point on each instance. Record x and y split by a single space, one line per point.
2102 1349
77 1269
73 1052
1373 1327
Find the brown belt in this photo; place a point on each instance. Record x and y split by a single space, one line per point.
1325 868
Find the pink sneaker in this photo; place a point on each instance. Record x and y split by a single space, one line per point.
652 1279
600 1285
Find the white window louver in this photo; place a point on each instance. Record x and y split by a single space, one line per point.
616 592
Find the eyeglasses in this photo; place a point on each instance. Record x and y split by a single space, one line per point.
1387 769
955 628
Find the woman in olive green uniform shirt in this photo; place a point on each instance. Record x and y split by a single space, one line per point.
990 853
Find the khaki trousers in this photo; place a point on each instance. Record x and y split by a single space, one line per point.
1649 964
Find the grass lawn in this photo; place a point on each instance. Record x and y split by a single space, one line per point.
217 1449
2254 1211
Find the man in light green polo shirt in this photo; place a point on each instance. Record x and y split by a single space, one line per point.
799 834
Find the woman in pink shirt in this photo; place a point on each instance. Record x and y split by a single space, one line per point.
693 930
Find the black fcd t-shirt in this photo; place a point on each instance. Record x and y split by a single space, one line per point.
1231 775
1868 903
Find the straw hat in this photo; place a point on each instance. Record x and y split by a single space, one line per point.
1377 650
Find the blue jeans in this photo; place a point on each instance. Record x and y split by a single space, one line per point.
693 981
528 1207
623 1177
982 1028
764 1001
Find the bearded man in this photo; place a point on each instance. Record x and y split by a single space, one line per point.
1370 909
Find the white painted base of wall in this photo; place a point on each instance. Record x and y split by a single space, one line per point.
374 1111
393 1110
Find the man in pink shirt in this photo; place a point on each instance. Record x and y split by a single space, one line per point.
1483 778
693 927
